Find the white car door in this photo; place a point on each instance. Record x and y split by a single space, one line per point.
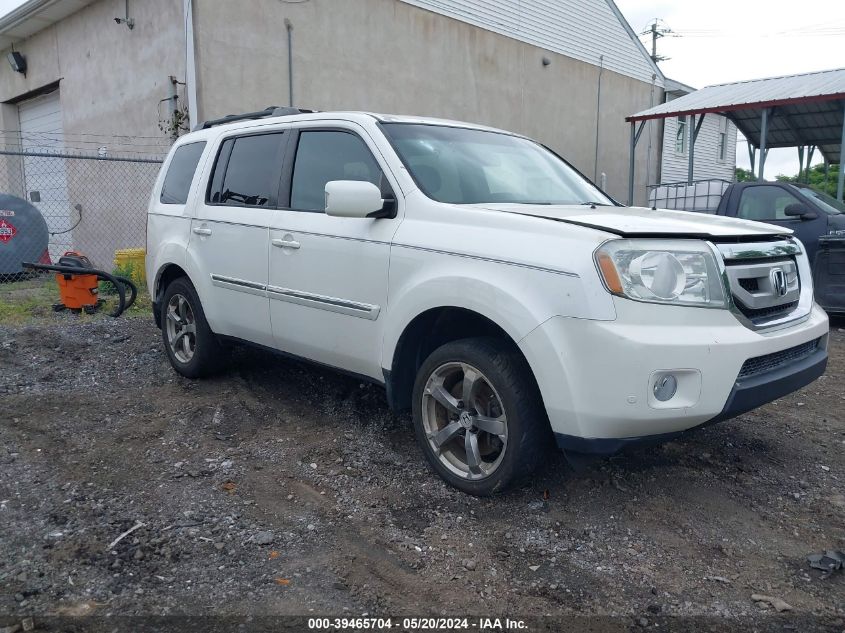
328 275
229 235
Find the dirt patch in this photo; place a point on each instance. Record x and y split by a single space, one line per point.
278 488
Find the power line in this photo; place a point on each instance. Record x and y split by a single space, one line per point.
815 31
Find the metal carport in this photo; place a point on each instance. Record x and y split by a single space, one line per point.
805 111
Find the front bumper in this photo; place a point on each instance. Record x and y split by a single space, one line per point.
596 377
747 394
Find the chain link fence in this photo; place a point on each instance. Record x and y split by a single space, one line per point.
53 200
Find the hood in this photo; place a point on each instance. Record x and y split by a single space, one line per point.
644 222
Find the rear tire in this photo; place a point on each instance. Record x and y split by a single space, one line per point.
193 349
478 415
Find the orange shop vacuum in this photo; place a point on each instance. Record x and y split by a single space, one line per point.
79 282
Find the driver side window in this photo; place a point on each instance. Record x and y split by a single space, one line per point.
326 155
765 203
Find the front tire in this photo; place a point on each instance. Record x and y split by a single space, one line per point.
193 349
478 415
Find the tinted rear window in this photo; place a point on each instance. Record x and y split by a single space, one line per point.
248 171
180 174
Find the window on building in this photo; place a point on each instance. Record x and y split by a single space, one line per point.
723 142
766 202
180 173
681 135
324 156
248 171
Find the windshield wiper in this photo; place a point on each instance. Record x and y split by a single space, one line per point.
590 203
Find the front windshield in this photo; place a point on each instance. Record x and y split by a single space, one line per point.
828 203
468 166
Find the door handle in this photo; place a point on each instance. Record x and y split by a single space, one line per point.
286 243
201 230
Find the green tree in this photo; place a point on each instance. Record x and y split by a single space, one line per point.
743 175
816 178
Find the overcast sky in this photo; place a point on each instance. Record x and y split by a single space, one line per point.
8 5
720 41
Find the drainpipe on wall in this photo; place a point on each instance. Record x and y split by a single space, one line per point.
190 66
289 27
650 140
598 114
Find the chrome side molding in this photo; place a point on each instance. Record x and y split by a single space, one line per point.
322 302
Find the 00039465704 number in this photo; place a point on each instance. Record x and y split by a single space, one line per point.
407 624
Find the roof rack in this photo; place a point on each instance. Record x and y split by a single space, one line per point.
261 114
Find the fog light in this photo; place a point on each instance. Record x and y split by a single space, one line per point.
665 387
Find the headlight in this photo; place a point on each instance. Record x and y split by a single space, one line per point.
676 272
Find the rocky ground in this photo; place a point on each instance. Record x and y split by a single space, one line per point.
278 488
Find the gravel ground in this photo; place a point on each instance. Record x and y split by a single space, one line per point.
278 488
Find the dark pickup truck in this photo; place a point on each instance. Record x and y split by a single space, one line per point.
817 219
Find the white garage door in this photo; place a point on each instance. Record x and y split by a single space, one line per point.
45 178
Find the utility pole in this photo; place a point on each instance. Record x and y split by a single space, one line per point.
656 32
654 35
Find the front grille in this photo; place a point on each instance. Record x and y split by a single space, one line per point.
770 362
766 313
765 285
751 284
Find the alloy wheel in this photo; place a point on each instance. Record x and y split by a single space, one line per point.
464 420
181 328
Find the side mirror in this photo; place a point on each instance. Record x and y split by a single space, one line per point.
796 209
356 199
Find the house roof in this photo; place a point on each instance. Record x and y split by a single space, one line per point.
674 86
637 42
33 16
805 109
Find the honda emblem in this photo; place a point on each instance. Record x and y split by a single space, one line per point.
779 283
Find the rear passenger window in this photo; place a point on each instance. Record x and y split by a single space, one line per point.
248 171
323 156
180 174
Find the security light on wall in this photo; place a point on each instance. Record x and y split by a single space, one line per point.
17 62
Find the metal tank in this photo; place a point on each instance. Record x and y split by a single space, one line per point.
23 236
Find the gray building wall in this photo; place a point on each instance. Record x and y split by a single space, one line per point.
111 79
379 55
111 82
389 56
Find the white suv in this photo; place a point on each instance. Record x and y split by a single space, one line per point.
489 286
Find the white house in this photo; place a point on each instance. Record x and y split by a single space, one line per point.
715 145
